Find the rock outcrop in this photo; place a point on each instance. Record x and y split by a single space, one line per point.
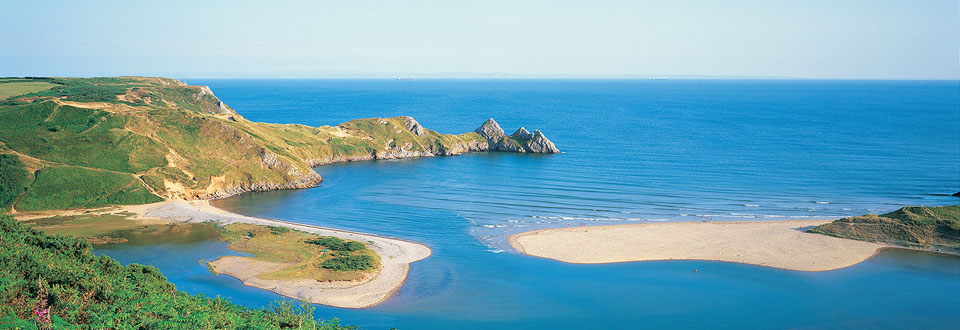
413 126
520 141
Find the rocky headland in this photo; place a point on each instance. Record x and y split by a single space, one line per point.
149 139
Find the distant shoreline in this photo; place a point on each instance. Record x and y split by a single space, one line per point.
778 244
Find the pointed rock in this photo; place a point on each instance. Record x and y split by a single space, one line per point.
521 133
490 130
540 144
413 126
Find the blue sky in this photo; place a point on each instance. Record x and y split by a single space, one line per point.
811 39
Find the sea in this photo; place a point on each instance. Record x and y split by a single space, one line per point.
634 151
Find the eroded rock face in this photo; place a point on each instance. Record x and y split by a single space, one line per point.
490 130
493 139
413 126
520 141
521 133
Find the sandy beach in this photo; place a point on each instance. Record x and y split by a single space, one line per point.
396 256
780 244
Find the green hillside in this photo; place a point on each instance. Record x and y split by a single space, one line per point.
86 142
918 226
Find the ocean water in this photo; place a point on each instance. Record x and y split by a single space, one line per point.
635 151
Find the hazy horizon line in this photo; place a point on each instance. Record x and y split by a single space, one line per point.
475 75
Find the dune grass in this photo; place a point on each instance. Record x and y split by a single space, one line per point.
303 260
913 226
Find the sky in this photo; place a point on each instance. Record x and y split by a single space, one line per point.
842 39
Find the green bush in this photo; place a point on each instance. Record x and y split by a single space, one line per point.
337 244
348 263
88 291
276 230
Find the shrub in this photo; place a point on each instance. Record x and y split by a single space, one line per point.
348 263
337 244
277 230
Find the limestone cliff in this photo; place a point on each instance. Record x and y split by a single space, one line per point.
519 141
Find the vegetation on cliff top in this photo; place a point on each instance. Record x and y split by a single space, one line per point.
87 142
918 226
82 290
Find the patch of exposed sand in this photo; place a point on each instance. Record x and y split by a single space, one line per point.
780 244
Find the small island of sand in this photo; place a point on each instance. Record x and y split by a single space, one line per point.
780 244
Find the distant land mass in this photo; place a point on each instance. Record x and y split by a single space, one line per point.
454 75
89 142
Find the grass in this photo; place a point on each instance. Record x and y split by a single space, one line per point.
72 187
121 228
10 88
77 136
13 179
303 260
918 226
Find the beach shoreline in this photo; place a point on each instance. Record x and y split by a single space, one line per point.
778 244
396 255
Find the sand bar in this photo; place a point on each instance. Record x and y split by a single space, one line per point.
780 244
395 255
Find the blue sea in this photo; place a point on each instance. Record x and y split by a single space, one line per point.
635 151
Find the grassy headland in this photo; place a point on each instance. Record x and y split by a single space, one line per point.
916 226
87 142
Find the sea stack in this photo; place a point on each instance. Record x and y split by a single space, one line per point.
520 141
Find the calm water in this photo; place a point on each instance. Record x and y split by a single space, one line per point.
636 151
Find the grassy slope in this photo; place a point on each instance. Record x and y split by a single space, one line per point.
17 86
919 226
130 138
304 260
91 291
